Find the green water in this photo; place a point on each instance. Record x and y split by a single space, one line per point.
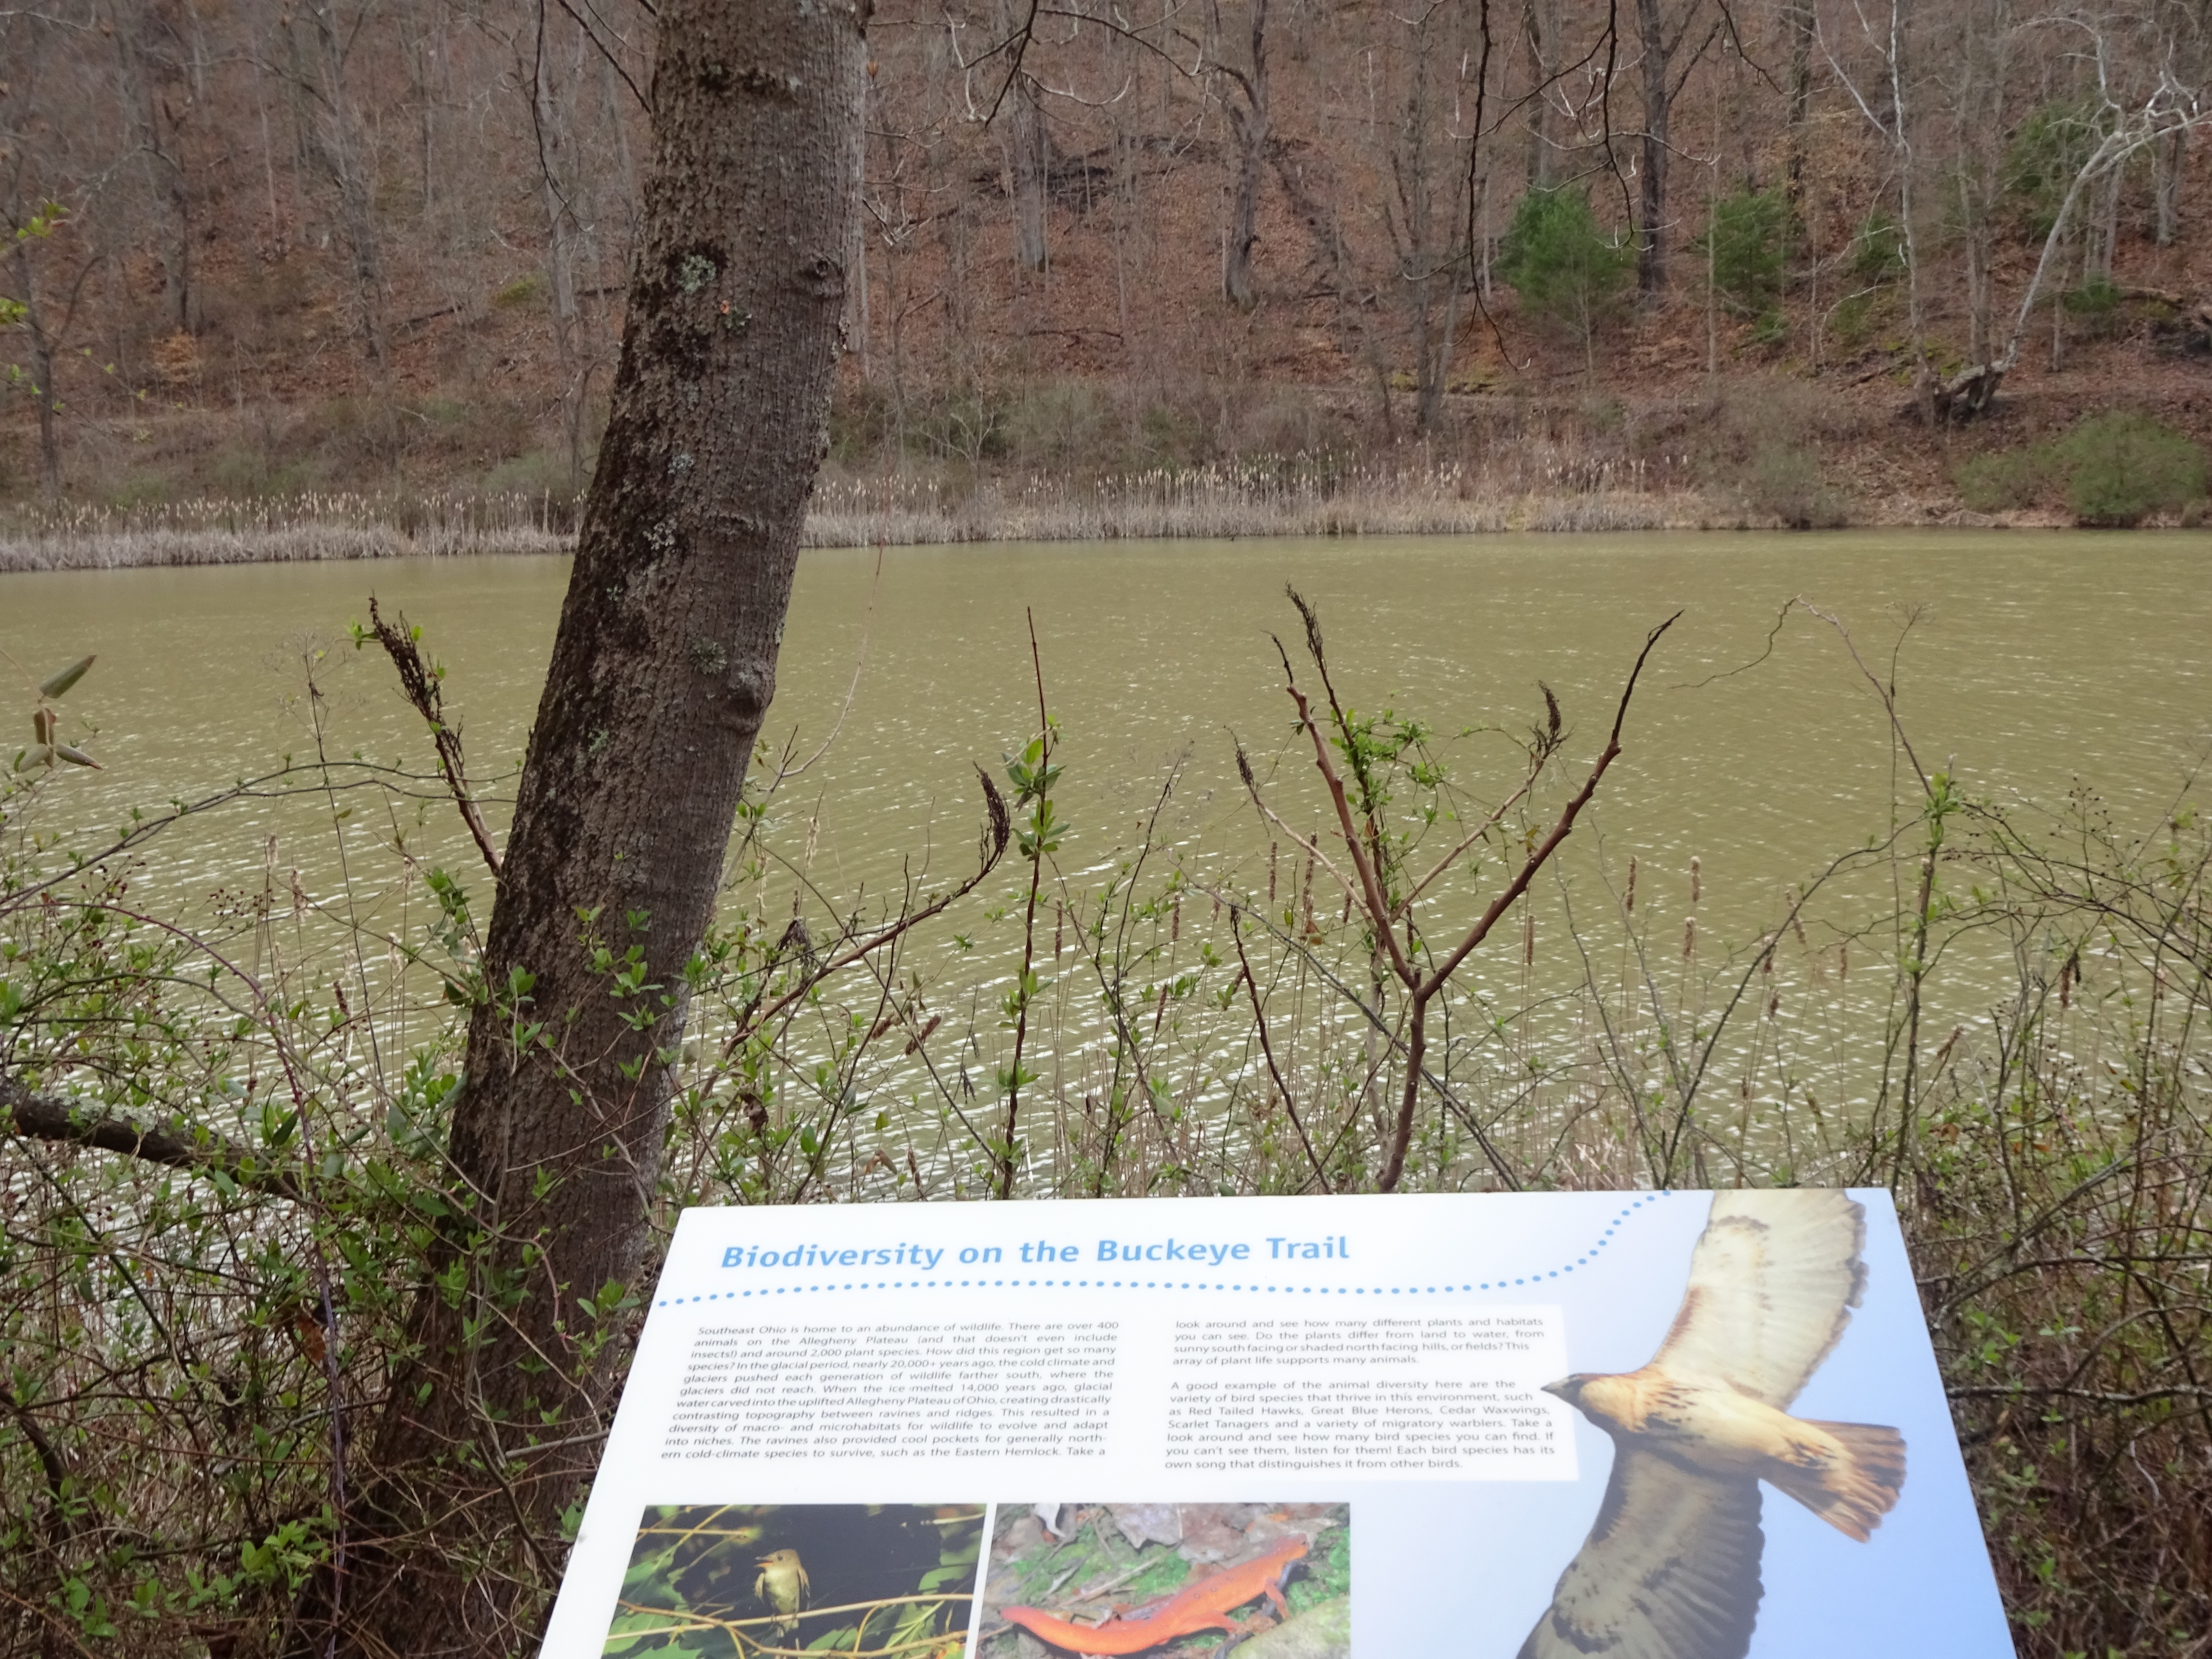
2035 662
2037 659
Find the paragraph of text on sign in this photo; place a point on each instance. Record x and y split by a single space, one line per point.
1452 1397
831 1391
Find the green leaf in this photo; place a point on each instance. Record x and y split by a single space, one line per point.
60 683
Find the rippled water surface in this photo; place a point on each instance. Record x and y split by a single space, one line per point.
2034 660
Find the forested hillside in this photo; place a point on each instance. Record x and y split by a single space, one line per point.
1757 250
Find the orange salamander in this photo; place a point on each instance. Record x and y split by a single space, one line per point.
1203 1605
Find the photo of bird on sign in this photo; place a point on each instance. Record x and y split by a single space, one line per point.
1671 1567
868 1581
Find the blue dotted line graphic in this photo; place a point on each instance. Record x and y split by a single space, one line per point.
1541 1276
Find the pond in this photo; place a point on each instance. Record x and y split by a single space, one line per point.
2036 660
2033 663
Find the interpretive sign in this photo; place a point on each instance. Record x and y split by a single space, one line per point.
1658 1425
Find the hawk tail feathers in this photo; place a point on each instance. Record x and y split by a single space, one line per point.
1851 1493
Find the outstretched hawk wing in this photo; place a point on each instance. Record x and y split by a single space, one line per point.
1670 1571
1772 1283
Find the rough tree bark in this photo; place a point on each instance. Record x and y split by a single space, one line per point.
662 670
1657 153
1248 119
1029 144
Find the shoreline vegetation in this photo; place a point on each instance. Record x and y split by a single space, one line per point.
1218 501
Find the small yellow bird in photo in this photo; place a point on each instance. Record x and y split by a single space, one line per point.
782 1586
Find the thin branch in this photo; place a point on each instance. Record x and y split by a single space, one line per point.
1266 1048
1370 883
176 1142
1310 848
997 830
2028 1391
420 685
1560 831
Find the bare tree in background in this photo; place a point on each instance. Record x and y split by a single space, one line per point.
555 70
1660 37
319 45
1884 98
55 168
1247 107
1027 139
1972 78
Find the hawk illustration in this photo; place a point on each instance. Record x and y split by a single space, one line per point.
1670 1569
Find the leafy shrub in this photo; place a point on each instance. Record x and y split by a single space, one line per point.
1562 264
1748 244
1999 484
2124 466
862 421
1851 322
2113 471
1784 482
539 472
2099 297
1284 424
2094 308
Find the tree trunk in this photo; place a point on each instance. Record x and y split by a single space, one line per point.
2107 242
1540 23
1651 176
1800 103
1249 119
139 75
1031 157
2166 159
662 670
552 107
1980 234
338 137
42 375
1028 160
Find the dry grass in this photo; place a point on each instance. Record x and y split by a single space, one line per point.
1218 501
214 530
1229 500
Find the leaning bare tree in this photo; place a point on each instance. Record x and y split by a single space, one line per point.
662 670
2124 122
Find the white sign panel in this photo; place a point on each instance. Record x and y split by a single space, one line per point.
1680 1425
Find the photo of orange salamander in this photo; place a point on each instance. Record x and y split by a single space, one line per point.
1204 1605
